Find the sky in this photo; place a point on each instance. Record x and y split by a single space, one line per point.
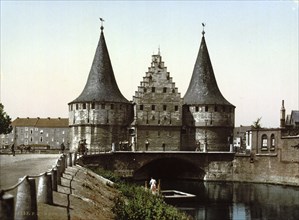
47 48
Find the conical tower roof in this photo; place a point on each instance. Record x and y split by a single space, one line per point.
203 88
101 85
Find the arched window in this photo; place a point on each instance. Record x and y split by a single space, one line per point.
272 147
264 142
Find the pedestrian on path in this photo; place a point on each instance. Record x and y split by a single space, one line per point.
13 150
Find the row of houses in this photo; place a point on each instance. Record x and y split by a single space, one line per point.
37 132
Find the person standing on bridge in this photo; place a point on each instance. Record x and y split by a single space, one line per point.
62 147
146 145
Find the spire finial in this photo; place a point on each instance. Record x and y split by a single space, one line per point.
203 29
102 20
159 50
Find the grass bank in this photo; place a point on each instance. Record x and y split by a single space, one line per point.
134 202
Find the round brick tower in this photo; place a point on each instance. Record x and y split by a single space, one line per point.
101 114
208 118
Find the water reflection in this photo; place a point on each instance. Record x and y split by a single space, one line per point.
237 201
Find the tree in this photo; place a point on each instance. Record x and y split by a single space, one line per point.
5 121
257 124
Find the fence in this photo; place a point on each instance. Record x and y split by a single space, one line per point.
28 194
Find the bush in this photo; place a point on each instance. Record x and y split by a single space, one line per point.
135 202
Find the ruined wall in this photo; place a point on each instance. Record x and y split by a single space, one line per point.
265 169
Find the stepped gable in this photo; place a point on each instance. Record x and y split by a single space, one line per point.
101 85
203 88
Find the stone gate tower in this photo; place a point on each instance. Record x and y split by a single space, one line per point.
208 118
101 114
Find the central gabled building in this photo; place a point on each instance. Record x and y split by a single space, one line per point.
158 110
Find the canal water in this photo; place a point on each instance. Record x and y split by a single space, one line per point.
237 201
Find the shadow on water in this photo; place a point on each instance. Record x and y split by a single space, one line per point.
237 201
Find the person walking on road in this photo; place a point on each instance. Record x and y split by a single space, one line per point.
13 150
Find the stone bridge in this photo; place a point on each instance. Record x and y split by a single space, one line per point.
165 164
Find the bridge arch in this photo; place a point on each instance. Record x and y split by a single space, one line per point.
170 168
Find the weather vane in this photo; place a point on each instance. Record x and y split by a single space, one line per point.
102 20
203 28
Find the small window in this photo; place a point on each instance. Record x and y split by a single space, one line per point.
102 106
153 89
164 107
272 142
164 90
41 139
153 107
144 90
140 107
93 105
112 106
153 118
196 108
264 142
77 106
206 108
215 109
84 105
173 90
176 108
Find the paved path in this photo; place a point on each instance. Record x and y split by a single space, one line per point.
14 167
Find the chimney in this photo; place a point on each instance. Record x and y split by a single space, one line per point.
282 115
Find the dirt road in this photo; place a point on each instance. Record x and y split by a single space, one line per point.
14 167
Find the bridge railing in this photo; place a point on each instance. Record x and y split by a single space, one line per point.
27 196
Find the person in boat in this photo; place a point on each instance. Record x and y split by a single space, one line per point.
153 185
